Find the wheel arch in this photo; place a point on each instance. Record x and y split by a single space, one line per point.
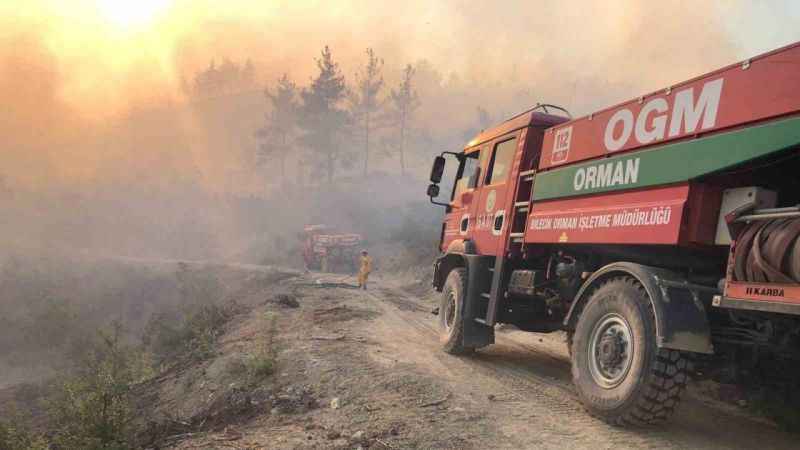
680 316
454 257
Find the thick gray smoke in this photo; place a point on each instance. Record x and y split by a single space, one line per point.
108 147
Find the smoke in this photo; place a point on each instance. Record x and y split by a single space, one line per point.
61 78
105 145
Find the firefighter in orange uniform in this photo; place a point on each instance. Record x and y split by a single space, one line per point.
366 268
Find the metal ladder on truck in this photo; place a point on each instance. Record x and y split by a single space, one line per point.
512 236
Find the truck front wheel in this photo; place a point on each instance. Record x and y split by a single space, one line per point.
621 375
451 313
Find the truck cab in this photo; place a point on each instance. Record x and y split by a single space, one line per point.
480 211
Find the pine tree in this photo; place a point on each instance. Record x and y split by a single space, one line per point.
206 82
404 102
277 135
322 119
229 74
366 101
248 75
225 79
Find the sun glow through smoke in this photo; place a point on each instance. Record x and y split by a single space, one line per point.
127 14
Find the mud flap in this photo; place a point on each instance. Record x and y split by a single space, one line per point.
479 280
684 323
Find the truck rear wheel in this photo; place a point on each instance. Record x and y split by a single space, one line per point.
621 375
451 313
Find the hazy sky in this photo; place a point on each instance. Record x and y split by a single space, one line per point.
109 53
758 26
73 73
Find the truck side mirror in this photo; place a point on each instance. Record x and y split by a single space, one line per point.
438 169
433 190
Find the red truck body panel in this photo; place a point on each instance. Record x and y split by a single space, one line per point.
649 216
755 90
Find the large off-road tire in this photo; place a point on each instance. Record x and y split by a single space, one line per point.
621 375
451 313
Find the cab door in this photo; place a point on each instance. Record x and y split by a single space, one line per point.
459 222
491 217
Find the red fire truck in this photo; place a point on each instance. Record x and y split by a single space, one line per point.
656 233
329 252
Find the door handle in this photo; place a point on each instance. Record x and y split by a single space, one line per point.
497 226
498 222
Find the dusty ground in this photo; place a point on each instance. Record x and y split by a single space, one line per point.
364 369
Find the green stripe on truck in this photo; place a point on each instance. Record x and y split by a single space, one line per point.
668 164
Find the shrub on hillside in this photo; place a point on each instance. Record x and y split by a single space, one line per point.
92 408
193 332
261 364
198 286
15 437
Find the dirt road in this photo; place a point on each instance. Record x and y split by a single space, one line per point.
363 369
535 405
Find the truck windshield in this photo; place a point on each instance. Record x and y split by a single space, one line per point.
466 176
